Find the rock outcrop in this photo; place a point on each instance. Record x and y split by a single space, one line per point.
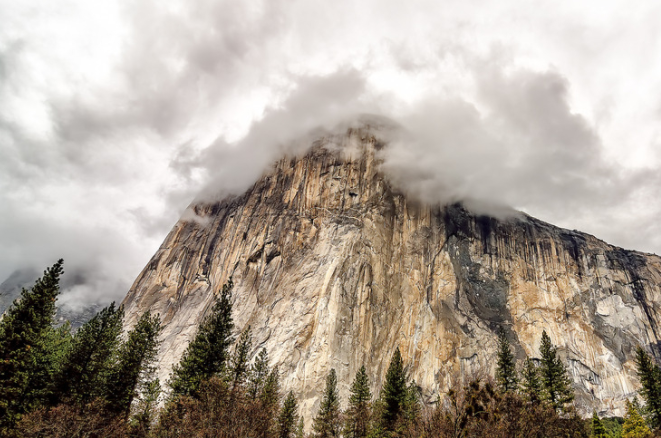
334 268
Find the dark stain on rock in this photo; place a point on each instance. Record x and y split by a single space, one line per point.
573 242
256 255
270 256
486 225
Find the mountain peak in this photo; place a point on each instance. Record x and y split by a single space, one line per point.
336 268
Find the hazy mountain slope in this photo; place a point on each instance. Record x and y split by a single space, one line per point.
10 289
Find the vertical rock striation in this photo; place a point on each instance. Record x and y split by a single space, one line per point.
334 268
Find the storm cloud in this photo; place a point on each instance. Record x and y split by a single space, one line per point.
116 115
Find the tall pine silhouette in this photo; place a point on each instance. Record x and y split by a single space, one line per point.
359 412
208 352
650 380
258 374
634 425
240 366
531 385
134 368
87 365
287 417
394 392
598 429
327 422
506 366
24 333
269 398
557 388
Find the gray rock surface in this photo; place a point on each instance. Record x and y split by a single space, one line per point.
334 268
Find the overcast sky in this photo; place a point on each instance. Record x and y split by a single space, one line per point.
115 115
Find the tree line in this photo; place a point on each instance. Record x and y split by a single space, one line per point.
97 382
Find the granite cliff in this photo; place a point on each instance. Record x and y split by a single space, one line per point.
335 268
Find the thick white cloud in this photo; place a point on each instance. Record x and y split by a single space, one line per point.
115 115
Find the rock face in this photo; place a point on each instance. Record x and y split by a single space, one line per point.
334 268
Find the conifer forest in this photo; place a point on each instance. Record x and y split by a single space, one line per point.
100 382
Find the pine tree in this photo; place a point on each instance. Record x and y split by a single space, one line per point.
270 394
58 342
287 418
207 353
394 392
87 365
258 374
327 422
650 380
598 429
411 408
23 334
145 412
269 399
134 365
240 359
359 412
557 388
506 367
531 386
300 428
634 425
48 362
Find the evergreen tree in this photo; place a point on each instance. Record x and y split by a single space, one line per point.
531 386
48 362
270 394
327 422
394 392
269 399
207 353
300 429
23 357
147 405
411 407
240 359
134 365
58 342
650 380
613 426
287 418
376 424
557 388
506 367
359 412
86 367
258 374
598 429
634 425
